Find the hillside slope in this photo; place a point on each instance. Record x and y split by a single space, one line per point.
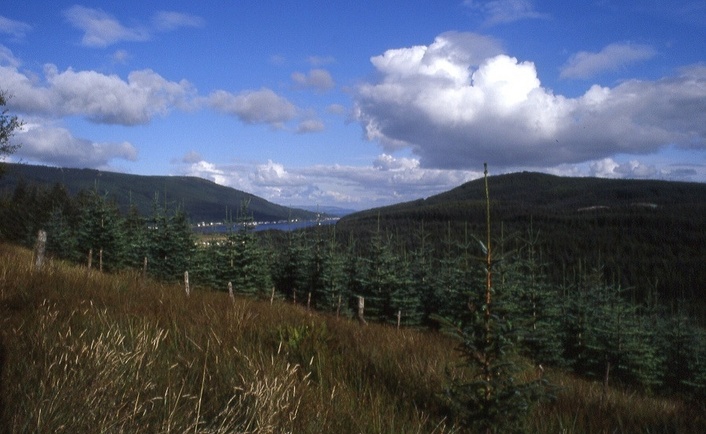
647 235
202 200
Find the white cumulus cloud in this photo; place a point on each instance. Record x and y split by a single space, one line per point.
262 106
54 145
458 103
98 97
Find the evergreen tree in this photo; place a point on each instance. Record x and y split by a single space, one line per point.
605 335
247 268
405 298
353 272
424 281
291 271
454 271
619 338
536 305
492 400
328 276
137 238
61 239
684 350
170 243
8 125
578 312
99 230
382 279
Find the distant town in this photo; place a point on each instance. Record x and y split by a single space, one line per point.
282 225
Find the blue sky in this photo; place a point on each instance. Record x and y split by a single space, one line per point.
359 104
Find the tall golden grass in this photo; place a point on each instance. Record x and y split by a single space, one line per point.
82 351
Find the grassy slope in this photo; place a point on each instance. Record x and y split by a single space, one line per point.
202 200
86 352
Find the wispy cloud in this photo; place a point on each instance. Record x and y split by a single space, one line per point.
101 29
504 11
7 58
317 79
310 126
321 60
613 57
166 20
16 29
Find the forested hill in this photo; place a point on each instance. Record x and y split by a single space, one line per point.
201 199
646 234
529 192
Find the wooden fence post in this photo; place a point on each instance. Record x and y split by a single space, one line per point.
144 268
272 296
230 291
399 318
361 310
186 283
90 258
308 301
294 295
40 248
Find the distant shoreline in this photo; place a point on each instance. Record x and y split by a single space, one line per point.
219 228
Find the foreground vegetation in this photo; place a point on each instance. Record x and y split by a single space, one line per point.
83 351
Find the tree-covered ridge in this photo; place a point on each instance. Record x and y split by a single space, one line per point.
647 235
201 199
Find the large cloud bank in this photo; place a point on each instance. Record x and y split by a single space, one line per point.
460 102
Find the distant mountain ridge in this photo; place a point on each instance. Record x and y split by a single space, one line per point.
201 199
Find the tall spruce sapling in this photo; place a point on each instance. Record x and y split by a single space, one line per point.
491 399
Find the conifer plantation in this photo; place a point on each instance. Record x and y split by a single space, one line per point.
466 329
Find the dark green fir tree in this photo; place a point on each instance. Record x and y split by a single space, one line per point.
491 398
